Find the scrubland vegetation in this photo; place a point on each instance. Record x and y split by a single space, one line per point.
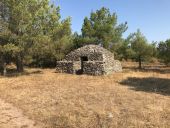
133 98
33 33
33 36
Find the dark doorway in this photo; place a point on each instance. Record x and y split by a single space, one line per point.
83 59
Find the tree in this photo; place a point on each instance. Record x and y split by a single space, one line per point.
79 40
164 51
102 26
54 40
124 50
1 60
18 18
4 36
154 49
141 48
36 29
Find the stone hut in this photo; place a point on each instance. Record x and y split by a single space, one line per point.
89 59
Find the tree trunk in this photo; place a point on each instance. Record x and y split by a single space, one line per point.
19 64
1 65
1 68
4 69
140 62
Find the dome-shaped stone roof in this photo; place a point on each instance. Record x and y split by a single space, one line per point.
89 50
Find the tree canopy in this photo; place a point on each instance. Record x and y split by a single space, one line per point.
102 28
164 51
35 29
33 33
141 47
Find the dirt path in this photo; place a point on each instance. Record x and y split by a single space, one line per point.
11 117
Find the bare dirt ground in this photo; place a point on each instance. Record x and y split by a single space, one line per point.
132 99
12 117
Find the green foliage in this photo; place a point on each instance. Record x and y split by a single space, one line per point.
135 46
164 51
142 50
36 29
11 50
124 50
79 41
33 33
8 53
102 28
17 20
54 39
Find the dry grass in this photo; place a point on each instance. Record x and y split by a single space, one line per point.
123 100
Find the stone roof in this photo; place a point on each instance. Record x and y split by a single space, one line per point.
89 50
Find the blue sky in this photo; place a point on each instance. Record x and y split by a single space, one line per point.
152 17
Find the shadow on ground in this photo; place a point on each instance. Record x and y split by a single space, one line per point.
150 84
14 73
158 69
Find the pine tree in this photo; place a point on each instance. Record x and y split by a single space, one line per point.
102 26
142 49
35 29
164 51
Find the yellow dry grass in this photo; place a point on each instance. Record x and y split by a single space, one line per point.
132 99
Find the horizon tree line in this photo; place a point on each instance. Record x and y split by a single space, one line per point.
32 33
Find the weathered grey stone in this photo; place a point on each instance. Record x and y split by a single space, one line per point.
93 68
65 66
90 59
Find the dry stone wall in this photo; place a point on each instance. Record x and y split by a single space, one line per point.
111 65
94 68
98 61
64 67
